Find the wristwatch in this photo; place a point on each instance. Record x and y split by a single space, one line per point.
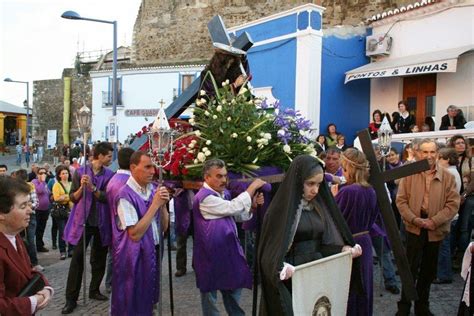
94 190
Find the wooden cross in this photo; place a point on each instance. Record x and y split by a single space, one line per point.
219 34
377 180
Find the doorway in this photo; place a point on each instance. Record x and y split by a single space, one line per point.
420 95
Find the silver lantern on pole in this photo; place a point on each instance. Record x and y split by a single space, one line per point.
385 133
83 117
160 139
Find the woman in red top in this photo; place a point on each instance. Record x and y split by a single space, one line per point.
375 125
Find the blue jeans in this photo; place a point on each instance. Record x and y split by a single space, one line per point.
18 159
388 268
31 237
445 272
231 302
109 271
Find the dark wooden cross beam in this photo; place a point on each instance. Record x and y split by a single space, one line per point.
219 34
377 180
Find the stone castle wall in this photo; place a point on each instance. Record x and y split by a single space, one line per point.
175 31
48 105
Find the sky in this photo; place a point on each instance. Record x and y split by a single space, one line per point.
37 44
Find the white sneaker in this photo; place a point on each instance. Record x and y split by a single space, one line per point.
38 268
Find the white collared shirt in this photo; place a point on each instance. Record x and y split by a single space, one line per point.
127 214
214 207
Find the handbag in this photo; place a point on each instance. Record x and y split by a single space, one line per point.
59 210
33 286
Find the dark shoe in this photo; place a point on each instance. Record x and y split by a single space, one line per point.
423 312
393 289
55 247
69 254
63 256
43 249
98 297
69 307
439 281
180 273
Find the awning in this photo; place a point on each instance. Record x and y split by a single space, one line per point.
439 61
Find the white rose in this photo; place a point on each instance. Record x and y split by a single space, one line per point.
206 113
302 132
225 83
249 139
249 147
287 149
229 119
207 153
191 121
267 136
234 135
201 157
262 134
194 141
196 161
197 133
281 132
257 101
208 142
203 101
205 149
214 117
191 145
202 92
243 90
219 108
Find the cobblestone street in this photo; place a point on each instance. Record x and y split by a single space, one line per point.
444 298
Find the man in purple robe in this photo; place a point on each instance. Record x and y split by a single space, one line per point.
136 254
333 174
113 188
218 258
94 212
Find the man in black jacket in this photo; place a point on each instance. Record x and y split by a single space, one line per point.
453 120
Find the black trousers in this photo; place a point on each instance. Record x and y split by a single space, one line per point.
181 253
97 260
41 220
420 253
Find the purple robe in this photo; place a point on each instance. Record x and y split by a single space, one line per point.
135 287
218 258
117 182
182 213
74 226
359 207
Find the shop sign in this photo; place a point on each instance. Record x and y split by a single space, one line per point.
141 112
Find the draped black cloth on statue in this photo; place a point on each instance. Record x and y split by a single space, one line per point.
278 229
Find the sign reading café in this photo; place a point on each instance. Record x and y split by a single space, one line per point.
141 112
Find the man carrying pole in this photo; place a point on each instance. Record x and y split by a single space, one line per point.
136 246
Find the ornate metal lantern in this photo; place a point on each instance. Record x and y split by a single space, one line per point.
385 133
83 117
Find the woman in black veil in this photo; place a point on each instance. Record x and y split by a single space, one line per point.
302 224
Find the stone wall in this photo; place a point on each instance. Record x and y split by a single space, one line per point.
175 31
48 104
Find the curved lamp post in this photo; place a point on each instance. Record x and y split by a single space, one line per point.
25 104
83 117
71 15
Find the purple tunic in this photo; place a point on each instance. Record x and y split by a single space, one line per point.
42 193
135 287
218 258
182 212
359 207
74 226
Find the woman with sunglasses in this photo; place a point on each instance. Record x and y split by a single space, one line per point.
42 211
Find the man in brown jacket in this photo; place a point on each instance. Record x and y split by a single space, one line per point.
427 202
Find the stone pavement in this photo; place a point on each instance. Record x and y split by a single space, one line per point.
444 298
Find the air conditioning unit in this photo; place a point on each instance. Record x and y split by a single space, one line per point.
378 45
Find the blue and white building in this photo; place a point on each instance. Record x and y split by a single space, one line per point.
292 60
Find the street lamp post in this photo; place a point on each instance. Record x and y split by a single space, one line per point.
71 15
27 101
83 118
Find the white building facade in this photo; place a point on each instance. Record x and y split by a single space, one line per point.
430 62
140 92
